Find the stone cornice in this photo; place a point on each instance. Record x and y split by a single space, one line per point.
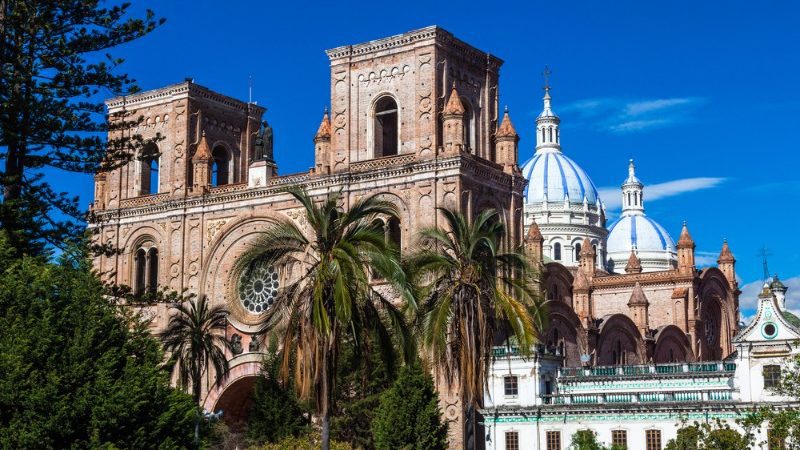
386 168
431 35
186 89
645 278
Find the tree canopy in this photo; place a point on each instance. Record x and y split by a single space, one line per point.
56 71
76 371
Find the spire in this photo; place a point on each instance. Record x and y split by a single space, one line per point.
586 247
548 137
637 296
454 105
324 130
203 152
725 255
632 192
685 240
506 128
534 233
634 264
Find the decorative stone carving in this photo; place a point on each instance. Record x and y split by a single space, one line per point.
236 344
213 226
255 345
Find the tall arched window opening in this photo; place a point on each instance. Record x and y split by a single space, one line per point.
386 129
221 168
557 251
577 252
148 176
393 232
145 269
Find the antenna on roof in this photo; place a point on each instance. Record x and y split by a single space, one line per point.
250 89
764 253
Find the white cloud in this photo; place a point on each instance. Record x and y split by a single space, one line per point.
748 299
647 106
619 115
705 259
612 197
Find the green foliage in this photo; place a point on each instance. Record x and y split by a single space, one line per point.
306 442
56 67
585 440
195 340
333 299
709 436
409 416
77 371
470 292
276 413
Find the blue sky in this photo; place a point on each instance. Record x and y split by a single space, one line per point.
703 95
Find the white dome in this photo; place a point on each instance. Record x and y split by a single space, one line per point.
552 177
635 231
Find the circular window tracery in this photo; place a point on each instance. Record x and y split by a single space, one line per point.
258 287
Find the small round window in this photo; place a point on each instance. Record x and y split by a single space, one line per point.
769 330
258 287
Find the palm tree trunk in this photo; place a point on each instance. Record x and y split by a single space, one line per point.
325 393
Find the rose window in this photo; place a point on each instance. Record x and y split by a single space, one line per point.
258 287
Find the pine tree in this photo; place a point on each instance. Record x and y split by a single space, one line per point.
76 371
276 413
55 73
409 416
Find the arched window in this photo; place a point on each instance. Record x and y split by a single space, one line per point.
557 251
148 176
550 134
629 199
145 271
393 232
577 252
553 293
220 171
386 127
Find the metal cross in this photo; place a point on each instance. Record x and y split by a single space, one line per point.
764 253
547 72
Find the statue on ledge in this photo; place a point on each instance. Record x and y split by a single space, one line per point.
263 145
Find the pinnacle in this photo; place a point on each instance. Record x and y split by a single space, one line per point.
534 233
637 296
634 264
454 105
725 255
506 127
203 152
324 130
685 239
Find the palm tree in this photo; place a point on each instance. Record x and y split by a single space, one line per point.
194 339
329 297
470 292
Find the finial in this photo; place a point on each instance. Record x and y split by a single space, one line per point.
204 133
454 84
325 110
546 73
506 109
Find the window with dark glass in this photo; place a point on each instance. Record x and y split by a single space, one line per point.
512 440
772 376
553 440
653 439
619 438
220 170
510 386
557 251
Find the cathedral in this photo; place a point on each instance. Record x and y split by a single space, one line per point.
415 119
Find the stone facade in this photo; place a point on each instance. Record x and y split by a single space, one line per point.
384 136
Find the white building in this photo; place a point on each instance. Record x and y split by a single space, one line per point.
537 404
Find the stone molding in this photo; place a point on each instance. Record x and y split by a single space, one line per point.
186 89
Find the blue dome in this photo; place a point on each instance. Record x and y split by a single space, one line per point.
640 232
552 175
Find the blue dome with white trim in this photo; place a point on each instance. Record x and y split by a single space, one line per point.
637 231
552 177
634 232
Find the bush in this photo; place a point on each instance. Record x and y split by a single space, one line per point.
305 442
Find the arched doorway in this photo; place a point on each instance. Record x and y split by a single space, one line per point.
234 395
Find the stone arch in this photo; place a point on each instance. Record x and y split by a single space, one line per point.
384 130
217 280
232 164
672 345
619 342
471 138
557 249
718 306
234 394
404 216
564 333
558 283
133 243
